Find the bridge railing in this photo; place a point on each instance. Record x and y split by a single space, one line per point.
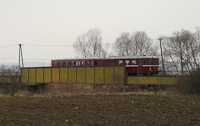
74 75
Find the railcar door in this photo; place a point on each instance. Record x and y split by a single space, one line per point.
140 70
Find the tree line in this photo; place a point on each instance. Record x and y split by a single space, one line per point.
181 50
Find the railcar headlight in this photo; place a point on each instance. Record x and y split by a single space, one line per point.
149 69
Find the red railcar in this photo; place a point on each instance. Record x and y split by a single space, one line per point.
134 64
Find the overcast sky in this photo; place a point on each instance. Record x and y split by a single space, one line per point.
60 22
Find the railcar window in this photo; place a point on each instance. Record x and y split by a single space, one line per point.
74 63
86 63
107 62
113 63
144 62
133 62
89 63
69 63
95 63
157 62
140 62
59 64
81 63
127 62
120 62
150 62
64 63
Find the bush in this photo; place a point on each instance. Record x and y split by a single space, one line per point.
189 84
10 89
9 79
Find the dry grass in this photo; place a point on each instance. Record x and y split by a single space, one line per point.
89 89
189 84
79 89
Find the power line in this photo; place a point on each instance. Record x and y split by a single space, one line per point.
37 59
8 58
23 59
49 45
52 45
46 45
7 46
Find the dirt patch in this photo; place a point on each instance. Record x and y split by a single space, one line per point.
101 110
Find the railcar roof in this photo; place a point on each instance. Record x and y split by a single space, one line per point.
111 57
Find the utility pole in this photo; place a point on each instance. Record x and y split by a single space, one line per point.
162 55
20 55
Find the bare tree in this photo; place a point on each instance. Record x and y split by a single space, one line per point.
197 34
106 48
153 50
196 48
136 44
80 46
182 49
90 44
122 45
141 43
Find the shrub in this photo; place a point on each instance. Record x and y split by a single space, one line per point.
9 79
189 84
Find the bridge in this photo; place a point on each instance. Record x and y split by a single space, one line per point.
90 75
